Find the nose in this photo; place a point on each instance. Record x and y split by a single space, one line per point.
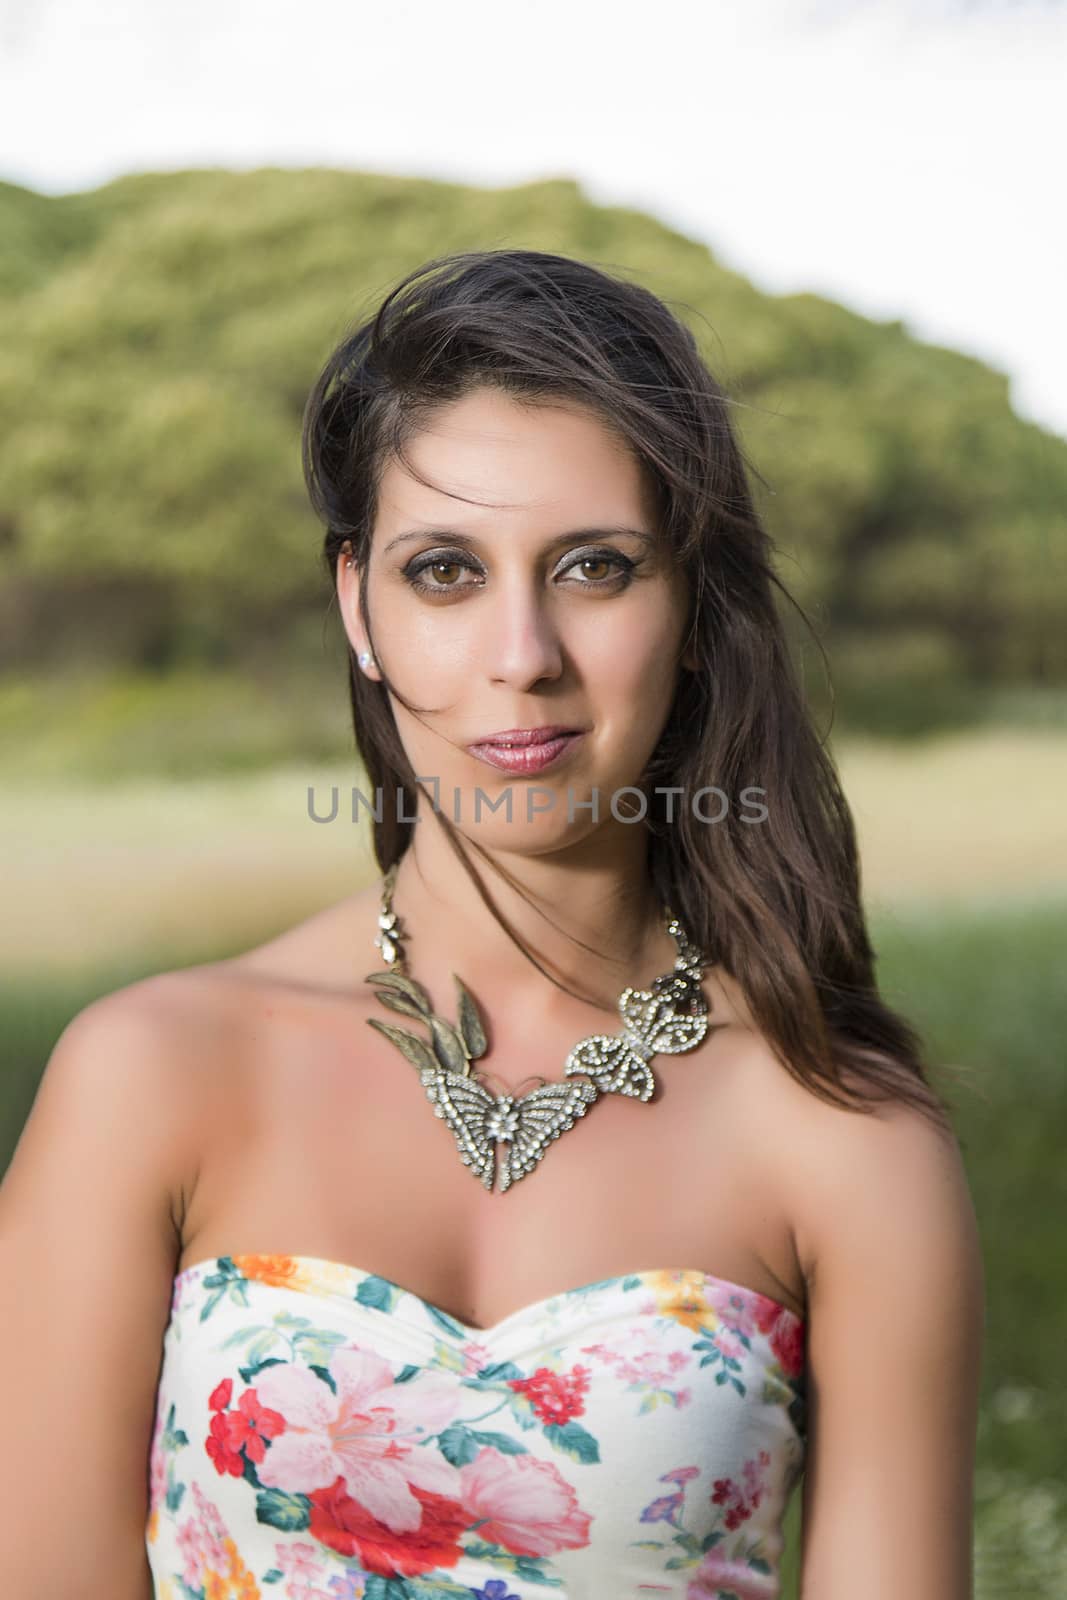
522 644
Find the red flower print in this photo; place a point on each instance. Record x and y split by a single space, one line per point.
555 1396
344 1525
217 1444
786 1333
252 1424
787 1342
249 1427
219 1398
740 1503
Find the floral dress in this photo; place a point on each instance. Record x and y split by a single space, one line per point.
323 1434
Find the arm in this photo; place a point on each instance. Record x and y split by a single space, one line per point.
896 1323
88 1245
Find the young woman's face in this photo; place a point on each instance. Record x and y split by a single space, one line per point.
542 597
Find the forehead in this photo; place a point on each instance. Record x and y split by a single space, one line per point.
492 454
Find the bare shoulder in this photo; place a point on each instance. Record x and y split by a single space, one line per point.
139 1055
886 1182
888 1239
90 1210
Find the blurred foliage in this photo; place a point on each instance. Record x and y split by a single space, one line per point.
158 337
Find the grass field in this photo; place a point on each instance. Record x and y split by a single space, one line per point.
965 851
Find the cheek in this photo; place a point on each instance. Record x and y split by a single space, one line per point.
627 666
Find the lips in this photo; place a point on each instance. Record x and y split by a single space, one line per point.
520 738
539 748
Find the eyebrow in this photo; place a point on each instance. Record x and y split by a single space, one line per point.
459 537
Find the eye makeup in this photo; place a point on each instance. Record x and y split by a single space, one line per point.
597 556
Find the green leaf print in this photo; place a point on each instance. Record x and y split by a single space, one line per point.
529 1567
443 1320
378 1293
379 1588
248 1370
495 1372
457 1444
289 1512
573 1439
173 1437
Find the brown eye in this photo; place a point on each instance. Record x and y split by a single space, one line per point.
602 569
428 575
594 561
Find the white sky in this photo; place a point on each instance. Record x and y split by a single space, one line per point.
905 157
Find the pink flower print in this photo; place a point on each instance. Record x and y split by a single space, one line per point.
527 1506
300 1563
202 1540
647 1368
718 1575
367 1434
475 1357
350 1585
301 1566
729 1344
680 1475
177 1293
157 1465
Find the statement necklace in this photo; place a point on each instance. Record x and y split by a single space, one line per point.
669 1017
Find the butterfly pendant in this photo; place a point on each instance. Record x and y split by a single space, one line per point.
527 1124
669 1017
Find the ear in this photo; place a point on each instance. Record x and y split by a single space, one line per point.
351 616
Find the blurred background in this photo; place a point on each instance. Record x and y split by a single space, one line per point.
852 205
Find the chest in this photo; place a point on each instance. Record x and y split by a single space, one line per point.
324 1142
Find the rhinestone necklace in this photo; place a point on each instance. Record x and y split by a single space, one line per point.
669 1017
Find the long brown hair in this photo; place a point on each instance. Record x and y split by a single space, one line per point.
776 903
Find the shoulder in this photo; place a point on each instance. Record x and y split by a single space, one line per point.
887 1183
135 1058
888 1237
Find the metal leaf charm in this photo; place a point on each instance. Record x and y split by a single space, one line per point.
417 1052
448 1046
406 986
401 1003
470 1023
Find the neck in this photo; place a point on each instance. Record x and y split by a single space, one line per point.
588 914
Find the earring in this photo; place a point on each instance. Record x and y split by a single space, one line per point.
365 658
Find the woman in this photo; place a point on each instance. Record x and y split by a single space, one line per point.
533 1220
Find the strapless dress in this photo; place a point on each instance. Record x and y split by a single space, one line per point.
322 1433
